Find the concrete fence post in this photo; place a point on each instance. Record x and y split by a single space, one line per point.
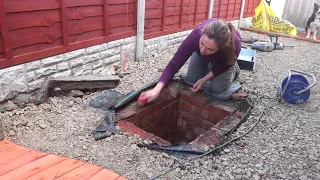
241 12
140 29
210 8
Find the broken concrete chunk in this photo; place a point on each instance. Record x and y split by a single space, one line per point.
75 93
43 93
22 100
126 72
68 83
57 91
12 83
120 74
86 82
7 106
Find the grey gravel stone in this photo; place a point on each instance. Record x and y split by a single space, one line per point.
7 106
52 138
76 93
42 126
256 177
12 133
227 150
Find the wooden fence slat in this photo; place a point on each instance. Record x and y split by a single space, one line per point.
196 11
5 31
35 35
64 23
227 9
106 18
219 9
234 11
181 13
30 5
135 24
78 3
163 15
34 19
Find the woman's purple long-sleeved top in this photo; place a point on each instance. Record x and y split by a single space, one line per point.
190 45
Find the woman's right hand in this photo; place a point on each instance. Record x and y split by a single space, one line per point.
151 95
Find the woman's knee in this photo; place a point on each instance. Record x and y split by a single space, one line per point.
218 89
196 68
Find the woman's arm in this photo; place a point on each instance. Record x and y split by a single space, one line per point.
185 50
183 53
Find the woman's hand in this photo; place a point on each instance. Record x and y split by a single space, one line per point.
152 94
198 85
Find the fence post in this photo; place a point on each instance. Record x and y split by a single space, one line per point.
140 29
5 32
241 12
64 20
210 8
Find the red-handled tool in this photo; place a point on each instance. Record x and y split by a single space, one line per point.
142 101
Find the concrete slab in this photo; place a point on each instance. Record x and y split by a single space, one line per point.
85 82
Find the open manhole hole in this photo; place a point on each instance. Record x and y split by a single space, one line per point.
181 117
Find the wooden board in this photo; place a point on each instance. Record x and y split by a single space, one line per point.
83 172
18 162
12 152
5 144
57 170
104 174
32 168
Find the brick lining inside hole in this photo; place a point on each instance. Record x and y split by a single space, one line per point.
177 116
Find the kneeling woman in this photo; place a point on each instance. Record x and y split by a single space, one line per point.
214 47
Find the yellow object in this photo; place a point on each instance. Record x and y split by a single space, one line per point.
265 19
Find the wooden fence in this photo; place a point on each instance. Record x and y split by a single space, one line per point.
34 29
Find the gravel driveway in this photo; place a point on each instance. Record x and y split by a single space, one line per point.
284 145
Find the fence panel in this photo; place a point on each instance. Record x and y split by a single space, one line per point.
36 29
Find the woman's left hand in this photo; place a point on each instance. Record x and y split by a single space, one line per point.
198 85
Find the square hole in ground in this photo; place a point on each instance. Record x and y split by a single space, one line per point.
177 116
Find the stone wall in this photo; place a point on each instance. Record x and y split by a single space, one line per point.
98 59
155 46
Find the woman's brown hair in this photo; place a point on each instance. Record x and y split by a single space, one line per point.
223 34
